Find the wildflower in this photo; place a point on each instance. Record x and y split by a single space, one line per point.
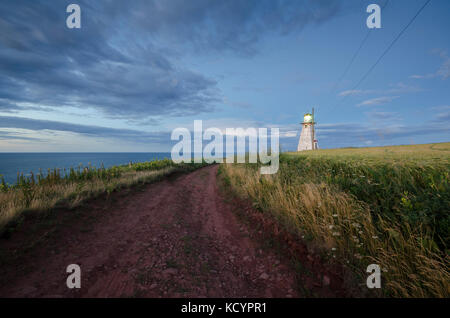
374 237
333 249
330 226
336 234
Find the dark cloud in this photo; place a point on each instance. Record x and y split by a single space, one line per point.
7 135
125 60
86 130
234 25
443 117
329 135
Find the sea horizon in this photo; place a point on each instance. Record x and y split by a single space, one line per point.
12 163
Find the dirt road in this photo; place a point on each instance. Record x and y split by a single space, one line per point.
174 238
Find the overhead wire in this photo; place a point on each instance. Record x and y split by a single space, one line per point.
385 51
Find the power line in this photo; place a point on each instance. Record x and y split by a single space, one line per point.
351 61
356 54
388 48
391 45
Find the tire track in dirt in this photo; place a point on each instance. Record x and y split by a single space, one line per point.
174 238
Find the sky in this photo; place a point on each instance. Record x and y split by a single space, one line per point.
136 70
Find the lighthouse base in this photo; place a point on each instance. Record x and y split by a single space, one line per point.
306 141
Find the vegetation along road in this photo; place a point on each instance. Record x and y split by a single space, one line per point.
174 238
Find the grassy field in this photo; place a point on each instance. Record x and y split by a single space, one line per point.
69 188
387 205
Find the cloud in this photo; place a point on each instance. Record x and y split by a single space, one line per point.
383 116
422 76
444 70
14 135
15 124
398 88
442 115
355 134
41 132
386 129
125 60
289 134
381 128
352 92
378 101
441 108
390 131
18 123
401 88
238 104
232 25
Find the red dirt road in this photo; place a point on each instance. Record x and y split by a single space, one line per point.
174 238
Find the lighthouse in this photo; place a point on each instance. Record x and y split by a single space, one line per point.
308 139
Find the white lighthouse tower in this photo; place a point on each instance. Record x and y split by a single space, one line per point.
308 139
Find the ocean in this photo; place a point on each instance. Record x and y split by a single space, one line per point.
11 163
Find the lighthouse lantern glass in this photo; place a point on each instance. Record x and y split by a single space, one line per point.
307 118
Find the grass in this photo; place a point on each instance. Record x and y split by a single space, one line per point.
69 188
387 206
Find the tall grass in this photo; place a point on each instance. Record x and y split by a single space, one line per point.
387 206
71 187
